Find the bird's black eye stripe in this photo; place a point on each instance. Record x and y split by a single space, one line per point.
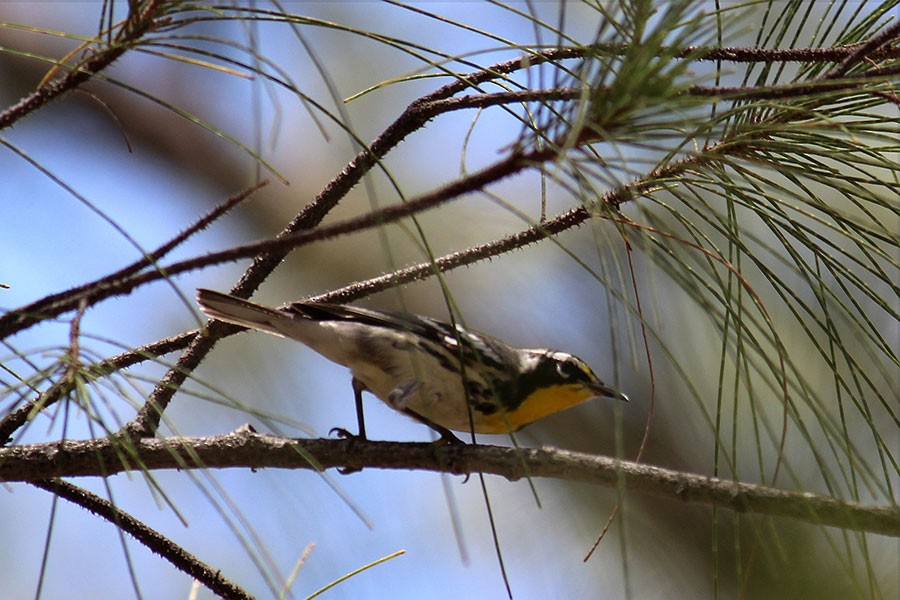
570 367
563 368
576 371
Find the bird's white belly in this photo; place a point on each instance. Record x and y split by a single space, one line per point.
440 399
399 375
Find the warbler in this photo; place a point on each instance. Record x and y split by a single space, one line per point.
444 376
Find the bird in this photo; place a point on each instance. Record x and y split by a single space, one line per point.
443 375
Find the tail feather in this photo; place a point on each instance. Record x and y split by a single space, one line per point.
231 309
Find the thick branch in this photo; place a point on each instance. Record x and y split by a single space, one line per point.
250 450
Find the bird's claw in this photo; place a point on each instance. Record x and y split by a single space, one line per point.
447 438
343 433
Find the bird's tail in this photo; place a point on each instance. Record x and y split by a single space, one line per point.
231 309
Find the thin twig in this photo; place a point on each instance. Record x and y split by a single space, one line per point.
746 93
55 304
773 55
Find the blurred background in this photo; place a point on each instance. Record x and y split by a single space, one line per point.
139 167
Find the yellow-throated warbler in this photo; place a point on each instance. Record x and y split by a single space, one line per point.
413 364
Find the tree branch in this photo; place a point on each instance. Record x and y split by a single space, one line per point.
53 305
180 558
140 20
865 50
15 419
245 449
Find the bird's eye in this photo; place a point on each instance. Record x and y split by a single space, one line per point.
562 371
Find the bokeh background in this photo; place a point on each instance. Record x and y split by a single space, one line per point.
141 168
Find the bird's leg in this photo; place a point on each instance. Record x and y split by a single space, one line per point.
447 436
358 388
399 399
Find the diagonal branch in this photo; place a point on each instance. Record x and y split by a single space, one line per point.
141 19
180 558
55 304
864 51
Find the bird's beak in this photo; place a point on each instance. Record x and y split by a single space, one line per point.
603 391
